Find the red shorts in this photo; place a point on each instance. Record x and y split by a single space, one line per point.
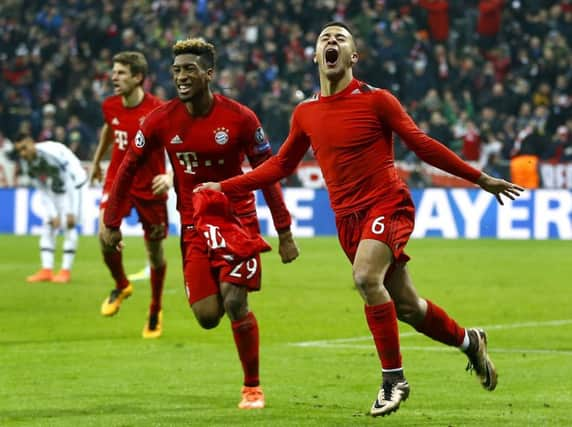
202 279
391 223
152 215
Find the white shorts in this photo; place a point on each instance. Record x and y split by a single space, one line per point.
61 205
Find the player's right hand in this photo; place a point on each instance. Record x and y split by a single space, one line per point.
215 186
287 249
96 174
112 238
161 183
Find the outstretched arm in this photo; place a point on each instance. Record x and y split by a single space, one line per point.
280 166
436 154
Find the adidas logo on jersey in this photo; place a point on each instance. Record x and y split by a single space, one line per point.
115 121
176 140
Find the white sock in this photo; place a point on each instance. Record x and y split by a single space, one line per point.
70 246
47 246
466 341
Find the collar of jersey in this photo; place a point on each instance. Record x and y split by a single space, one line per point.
354 84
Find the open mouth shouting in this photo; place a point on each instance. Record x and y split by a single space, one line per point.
331 56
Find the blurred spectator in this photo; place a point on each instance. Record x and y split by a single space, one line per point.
471 149
489 24
439 129
560 150
524 163
491 158
500 65
438 18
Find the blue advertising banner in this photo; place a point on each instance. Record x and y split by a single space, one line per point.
446 213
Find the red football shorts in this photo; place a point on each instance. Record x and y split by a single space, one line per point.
388 222
202 279
152 215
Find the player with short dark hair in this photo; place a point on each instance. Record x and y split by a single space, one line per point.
60 179
207 137
349 126
123 112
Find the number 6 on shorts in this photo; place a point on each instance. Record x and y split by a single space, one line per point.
377 226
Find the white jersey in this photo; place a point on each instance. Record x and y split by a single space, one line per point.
56 169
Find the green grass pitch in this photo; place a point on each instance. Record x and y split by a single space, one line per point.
62 364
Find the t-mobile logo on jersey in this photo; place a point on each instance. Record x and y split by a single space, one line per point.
214 238
189 160
121 139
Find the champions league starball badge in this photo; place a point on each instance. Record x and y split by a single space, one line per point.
139 139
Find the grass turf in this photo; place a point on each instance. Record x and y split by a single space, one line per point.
62 364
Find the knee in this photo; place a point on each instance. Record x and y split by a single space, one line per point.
155 251
207 321
410 312
365 280
156 260
235 307
70 223
105 248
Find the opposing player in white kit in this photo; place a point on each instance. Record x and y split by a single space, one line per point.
59 177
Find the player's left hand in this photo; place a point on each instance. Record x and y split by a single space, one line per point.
287 249
55 222
161 183
112 237
499 187
215 186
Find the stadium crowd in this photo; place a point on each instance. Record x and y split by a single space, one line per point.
491 79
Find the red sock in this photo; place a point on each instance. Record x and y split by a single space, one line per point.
114 262
439 326
382 322
157 280
245 333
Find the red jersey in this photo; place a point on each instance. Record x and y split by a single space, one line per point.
201 149
124 122
228 240
351 134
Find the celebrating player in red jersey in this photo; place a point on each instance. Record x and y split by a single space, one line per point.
123 112
207 136
349 125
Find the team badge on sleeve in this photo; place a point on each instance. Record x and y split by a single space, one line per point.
139 139
262 143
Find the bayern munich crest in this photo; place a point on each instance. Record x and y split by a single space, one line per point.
221 136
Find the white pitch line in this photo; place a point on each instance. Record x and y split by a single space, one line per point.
450 349
341 341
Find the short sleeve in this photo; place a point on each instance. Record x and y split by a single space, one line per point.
105 109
